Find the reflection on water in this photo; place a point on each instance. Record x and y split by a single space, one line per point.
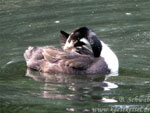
80 87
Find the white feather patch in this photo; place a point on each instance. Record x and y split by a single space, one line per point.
84 40
110 59
68 45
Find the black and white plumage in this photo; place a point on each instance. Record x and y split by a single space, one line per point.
74 57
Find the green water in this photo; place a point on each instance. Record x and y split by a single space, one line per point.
123 24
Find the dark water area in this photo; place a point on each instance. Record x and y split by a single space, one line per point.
123 24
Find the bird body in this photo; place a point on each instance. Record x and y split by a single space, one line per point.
74 58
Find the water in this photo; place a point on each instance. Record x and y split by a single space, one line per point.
123 24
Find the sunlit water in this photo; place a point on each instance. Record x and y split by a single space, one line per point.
123 24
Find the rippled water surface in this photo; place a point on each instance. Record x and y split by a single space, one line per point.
123 24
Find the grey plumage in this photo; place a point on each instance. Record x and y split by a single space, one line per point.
79 60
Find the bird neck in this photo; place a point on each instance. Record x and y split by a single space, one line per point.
95 45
